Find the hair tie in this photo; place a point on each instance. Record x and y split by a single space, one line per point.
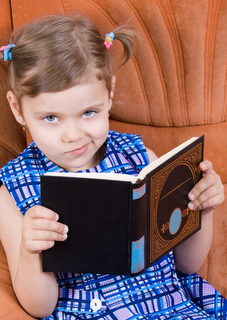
7 54
108 39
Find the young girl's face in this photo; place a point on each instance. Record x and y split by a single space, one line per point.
68 126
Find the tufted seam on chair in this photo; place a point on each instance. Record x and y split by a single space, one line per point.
7 147
170 21
142 85
210 41
138 70
97 6
11 13
63 5
224 114
158 65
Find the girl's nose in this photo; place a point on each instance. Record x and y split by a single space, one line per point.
72 133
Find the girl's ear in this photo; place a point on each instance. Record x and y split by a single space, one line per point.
112 87
16 110
112 91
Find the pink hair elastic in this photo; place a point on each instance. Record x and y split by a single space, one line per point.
108 39
7 54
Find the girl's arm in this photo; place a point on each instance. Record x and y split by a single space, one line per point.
23 238
206 195
152 156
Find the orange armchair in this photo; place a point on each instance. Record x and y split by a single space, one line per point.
173 88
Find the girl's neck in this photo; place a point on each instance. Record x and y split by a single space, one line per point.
100 153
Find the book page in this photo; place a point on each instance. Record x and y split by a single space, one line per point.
94 175
163 158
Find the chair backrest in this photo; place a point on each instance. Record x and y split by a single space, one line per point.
12 139
174 87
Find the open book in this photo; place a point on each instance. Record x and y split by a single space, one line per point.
122 224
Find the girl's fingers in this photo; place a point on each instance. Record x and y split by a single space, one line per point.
44 240
208 193
206 167
40 212
56 233
209 204
41 229
209 180
49 225
41 218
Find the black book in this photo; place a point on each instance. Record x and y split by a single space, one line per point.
122 224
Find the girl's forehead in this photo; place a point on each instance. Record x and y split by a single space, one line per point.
81 95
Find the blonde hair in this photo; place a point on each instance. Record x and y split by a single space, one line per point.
57 52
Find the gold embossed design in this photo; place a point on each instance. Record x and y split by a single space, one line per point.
159 245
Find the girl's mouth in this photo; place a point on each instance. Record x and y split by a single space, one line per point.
78 151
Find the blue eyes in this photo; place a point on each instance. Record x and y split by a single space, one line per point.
51 119
54 119
88 113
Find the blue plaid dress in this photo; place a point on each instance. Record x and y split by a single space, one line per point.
159 293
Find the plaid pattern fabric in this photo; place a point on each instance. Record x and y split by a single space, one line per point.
204 295
159 293
125 153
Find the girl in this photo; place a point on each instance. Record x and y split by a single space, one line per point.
61 90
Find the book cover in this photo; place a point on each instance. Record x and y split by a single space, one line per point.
123 226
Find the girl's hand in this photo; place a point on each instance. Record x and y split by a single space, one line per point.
41 229
208 193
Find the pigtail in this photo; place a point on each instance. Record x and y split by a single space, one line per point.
126 35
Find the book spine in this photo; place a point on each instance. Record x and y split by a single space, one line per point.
138 227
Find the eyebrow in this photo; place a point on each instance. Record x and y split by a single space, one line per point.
47 112
44 112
